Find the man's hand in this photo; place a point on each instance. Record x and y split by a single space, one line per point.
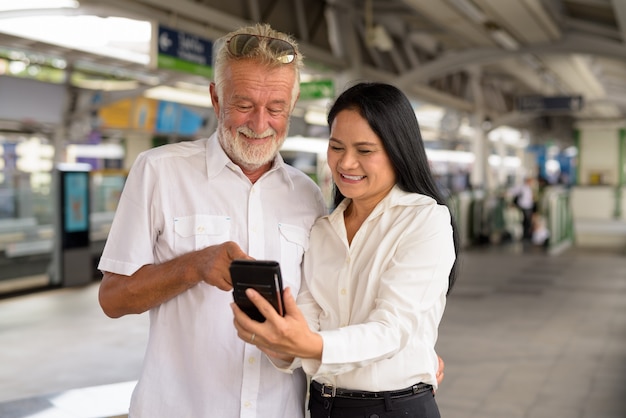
213 263
154 284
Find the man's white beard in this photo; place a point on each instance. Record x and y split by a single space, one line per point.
249 156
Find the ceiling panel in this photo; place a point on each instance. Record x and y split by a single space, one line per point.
437 47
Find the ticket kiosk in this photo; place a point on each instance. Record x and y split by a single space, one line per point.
71 260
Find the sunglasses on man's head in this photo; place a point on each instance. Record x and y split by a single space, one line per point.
244 45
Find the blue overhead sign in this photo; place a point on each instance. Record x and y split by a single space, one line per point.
549 103
181 51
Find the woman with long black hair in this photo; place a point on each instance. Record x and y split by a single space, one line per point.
376 274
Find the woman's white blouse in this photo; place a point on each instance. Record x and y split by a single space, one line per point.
378 302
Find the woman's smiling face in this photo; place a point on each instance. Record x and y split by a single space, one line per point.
357 159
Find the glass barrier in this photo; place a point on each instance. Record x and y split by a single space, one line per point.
26 221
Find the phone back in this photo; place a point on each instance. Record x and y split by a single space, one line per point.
263 276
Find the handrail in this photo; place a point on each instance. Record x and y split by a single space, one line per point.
557 209
485 217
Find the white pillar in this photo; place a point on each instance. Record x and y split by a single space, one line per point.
479 174
136 143
501 174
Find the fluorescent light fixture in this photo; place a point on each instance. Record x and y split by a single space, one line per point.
34 156
16 67
109 151
116 37
509 136
177 95
509 162
33 165
34 147
11 5
467 158
185 85
459 157
106 85
74 166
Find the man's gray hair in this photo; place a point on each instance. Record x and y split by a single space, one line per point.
262 55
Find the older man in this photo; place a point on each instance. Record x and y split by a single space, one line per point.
187 210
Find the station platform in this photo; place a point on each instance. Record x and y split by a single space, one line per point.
525 335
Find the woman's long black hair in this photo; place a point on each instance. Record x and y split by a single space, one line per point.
391 116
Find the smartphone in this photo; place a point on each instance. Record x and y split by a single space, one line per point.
263 276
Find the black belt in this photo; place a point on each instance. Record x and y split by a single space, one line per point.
330 391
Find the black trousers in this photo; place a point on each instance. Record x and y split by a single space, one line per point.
422 405
527 223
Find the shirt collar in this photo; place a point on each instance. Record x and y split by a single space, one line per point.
395 197
217 160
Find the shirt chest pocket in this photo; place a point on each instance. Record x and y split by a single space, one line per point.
199 231
294 241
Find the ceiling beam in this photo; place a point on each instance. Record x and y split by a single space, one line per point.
421 91
255 10
453 62
619 8
303 28
200 13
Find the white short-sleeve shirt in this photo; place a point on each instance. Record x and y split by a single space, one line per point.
184 197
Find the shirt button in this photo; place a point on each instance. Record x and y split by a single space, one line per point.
247 404
200 229
252 360
343 292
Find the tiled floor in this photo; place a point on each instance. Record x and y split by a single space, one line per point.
56 341
536 336
525 335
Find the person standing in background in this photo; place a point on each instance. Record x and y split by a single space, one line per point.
524 199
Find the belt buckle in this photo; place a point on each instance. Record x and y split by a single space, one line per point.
419 388
328 391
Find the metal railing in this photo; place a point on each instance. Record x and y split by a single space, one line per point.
482 219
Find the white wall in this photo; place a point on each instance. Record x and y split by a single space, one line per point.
598 154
